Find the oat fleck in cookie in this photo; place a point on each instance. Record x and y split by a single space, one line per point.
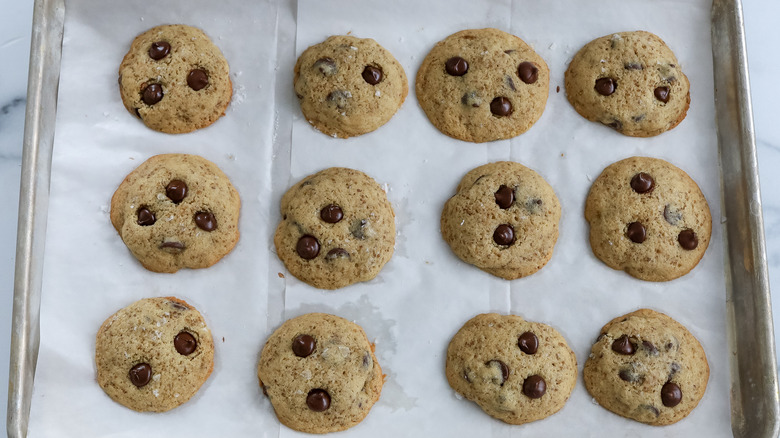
176 211
629 81
349 86
320 373
482 85
175 79
517 371
154 354
503 219
337 228
648 218
647 367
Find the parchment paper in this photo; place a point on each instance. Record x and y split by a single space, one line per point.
425 293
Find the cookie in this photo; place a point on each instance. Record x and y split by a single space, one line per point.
320 373
337 228
629 81
176 211
154 354
482 85
175 79
517 371
647 367
648 218
349 86
503 220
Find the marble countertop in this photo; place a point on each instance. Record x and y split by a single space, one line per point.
15 26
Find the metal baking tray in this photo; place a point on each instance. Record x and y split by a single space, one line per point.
755 404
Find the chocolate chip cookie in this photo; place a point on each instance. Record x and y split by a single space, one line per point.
176 211
482 85
349 86
517 371
320 373
154 354
337 228
503 220
647 367
175 79
629 81
648 218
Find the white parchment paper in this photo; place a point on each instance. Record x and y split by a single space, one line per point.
425 293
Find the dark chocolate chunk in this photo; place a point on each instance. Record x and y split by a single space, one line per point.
152 94
528 72
505 196
331 213
528 343
176 190
456 66
501 366
197 79
185 343
326 66
337 253
671 395
339 98
688 239
636 232
145 217
471 98
303 345
140 374
642 183
318 400
504 235
534 386
605 86
308 247
623 345
206 221
501 107
159 50
662 94
372 75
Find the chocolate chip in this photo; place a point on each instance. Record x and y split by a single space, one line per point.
176 191
623 345
504 235
605 86
185 343
636 232
533 205
206 221
197 79
326 66
303 345
673 369
501 366
366 360
642 183
528 343
671 395
616 125
652 409
456 66
672 215
662 94
152 94
138 114
629 374
501 107
318 400
339 98
509 52
358 228
337 253
331 213
534 386
308 247
140 374
688 239
505 196
633 66
471 98
650 348
528 72
638 118
159 50
145 217
372 75
174 245
510 83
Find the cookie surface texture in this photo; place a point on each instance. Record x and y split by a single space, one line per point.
503 219
647 367
648 218
320 373
517 371
154 354
177 211
629 81
337 228
482 85
175 79
349 86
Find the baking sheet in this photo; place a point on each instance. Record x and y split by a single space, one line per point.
424 294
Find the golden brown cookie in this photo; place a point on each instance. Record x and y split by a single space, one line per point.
647 367
482 85
349 86
515 370
176 211
337 228
629 81
320 373
648 218
175 79
154 354
503 219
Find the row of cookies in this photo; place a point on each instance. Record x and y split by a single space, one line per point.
476 85
321 375
647 217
